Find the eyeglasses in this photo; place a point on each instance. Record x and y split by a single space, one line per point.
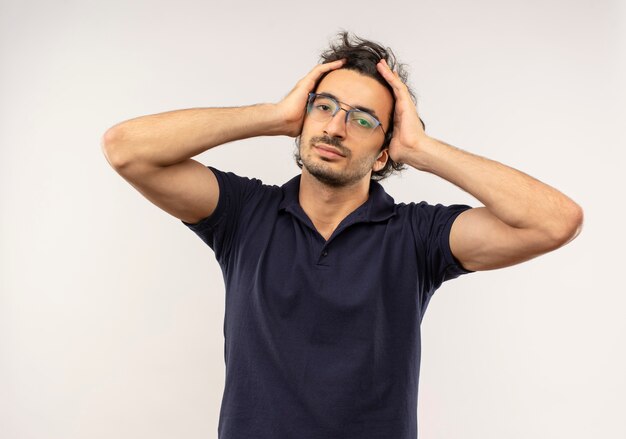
360 123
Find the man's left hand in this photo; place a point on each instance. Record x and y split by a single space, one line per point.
408 132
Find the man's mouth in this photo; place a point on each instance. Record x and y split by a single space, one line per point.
328 151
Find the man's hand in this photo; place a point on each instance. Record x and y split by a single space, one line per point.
293 107
522 218
407 128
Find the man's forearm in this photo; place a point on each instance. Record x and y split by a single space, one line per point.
516 198
167 138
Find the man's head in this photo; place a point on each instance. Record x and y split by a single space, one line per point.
361 82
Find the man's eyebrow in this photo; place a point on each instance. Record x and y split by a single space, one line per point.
358 107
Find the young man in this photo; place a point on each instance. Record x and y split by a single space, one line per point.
327 278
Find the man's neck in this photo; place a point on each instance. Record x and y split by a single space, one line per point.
327 206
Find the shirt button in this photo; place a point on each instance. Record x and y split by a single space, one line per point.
324 253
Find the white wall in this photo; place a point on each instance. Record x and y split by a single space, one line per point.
111 311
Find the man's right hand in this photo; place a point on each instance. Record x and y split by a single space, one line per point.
153 153
293 106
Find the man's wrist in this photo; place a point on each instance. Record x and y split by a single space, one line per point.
268 119
422 154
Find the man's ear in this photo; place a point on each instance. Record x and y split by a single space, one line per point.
381 160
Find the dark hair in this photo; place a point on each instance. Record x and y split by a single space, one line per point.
362 56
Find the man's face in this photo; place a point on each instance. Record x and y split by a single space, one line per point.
360 155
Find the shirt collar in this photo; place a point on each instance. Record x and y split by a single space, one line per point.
378 207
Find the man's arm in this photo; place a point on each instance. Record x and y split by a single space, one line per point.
153 153
522 218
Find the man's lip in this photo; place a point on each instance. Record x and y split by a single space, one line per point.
328 148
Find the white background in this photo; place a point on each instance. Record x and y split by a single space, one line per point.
111 310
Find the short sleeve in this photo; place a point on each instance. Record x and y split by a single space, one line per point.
219 229
432 225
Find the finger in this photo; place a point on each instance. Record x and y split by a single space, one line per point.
309 81
386 71
316 73
393 78
320 69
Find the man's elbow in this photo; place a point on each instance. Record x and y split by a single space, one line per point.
570 225
113 152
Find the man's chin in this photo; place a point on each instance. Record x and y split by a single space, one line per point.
325 176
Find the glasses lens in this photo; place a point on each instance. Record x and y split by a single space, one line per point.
362 121
322 107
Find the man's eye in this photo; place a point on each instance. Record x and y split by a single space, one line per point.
364 123
323 107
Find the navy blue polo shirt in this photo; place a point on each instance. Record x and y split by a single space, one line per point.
322 338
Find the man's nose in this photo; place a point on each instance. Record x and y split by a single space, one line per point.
336 126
